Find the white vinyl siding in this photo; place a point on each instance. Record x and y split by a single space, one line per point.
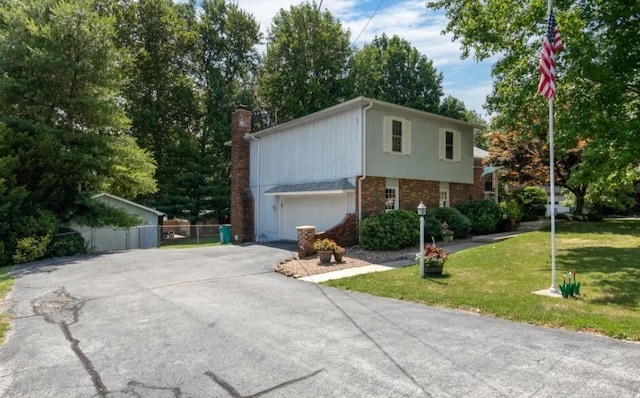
397 135
449 145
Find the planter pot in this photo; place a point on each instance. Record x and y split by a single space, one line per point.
338 257
433 270
447 238
325 256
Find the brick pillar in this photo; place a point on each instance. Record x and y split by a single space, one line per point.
242 207
306 238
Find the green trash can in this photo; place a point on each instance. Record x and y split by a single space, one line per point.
225 233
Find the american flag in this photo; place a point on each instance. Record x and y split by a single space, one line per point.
551 44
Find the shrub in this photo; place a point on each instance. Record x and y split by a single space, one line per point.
432 227
484 215
511 210
65 243
458 222
393 230
532 202
31 237
30 249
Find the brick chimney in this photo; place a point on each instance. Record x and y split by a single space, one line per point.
242 208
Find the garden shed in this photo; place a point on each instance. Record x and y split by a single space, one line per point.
143 236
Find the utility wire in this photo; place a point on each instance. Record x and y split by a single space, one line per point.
367 24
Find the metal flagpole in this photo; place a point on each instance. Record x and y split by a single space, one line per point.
552 188
552 207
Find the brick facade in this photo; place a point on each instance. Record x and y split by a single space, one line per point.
412 192
345 233
242 209
459 193
373 189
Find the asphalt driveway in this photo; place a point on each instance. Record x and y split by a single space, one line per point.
217 322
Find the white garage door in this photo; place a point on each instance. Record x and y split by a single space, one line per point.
323 211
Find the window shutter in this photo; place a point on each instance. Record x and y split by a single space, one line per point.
386 134
406 137
443 141
456 146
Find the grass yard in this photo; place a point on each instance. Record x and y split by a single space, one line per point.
184 243
6 282
497 279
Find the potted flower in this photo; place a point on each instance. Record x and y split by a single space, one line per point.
434 259
447 232
324 247
338 252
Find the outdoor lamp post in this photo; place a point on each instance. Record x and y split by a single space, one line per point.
422 210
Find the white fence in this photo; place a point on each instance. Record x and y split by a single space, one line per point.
147 236
118 239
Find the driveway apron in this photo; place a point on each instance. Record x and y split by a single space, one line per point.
218 322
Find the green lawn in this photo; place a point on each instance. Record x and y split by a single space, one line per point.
497 279
6 282
184 243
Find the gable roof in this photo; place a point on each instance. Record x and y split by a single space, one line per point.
123 200
325 187
355 103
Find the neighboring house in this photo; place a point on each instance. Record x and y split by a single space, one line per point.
143 236
337 166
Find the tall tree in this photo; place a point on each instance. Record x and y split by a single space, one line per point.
390 69
226 60
304 69
162 99
60 79
59 65
526 161
189 69
598 84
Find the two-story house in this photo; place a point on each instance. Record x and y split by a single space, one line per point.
342 164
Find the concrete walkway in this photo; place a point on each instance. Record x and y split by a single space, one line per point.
475 241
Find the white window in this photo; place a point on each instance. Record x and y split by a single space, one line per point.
397 135
450 145
391 194
444 199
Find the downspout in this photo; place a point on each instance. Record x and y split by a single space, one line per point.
256 226
364 160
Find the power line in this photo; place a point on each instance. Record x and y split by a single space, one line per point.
367 24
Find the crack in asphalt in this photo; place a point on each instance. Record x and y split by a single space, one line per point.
133 384
61 308
235 394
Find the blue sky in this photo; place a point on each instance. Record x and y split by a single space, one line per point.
466 80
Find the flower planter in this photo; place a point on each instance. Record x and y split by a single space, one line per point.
447 238
338 257
325 256
433 270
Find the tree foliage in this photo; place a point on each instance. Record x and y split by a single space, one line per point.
598 84
60 113
304 69
526 161
187 72
390 69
